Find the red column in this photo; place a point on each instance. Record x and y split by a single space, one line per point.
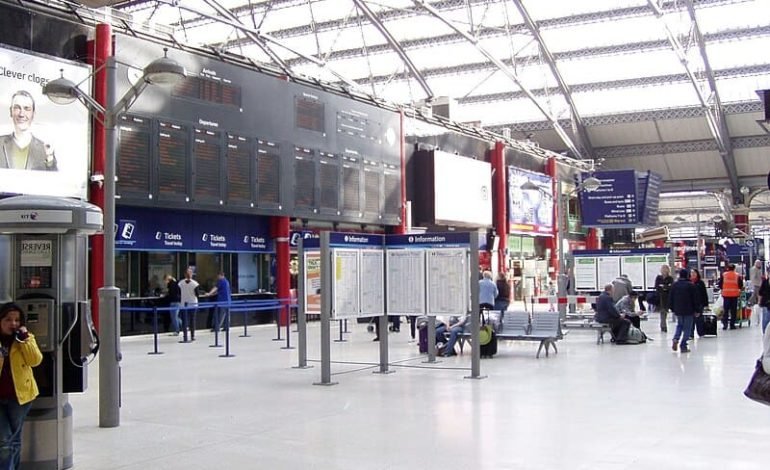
280 234
592 239
401 228
741 219
102 50
552 242
500 190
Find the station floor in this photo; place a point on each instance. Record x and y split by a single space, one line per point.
588 407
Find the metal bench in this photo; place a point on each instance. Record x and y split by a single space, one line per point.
600 328
517 326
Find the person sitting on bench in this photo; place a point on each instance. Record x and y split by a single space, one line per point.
625 306
607 313
456 327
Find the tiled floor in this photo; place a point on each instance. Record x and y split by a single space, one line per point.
589 407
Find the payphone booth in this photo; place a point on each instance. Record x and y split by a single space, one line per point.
44 251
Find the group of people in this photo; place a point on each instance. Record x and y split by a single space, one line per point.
184 293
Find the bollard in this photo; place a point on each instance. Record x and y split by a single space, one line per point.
340 339
227 336
288 325
155 331
277 325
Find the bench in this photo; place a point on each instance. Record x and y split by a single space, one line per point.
601 328
517 326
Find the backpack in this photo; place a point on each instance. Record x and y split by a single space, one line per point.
635 336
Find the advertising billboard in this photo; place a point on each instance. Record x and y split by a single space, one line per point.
44 147
530 210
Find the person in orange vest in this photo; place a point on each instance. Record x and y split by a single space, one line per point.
731 284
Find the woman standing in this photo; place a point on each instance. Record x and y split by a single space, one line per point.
18 388
663 283
702 301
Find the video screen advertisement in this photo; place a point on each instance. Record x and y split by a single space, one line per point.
44 147
530 211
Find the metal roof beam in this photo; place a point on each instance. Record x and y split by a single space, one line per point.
669 148
579 129
508 72
395 46
716 127
710 184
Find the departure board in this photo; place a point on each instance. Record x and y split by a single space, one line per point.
392 191
329 176
351 184
358 125
304 178
371 189
206 145
238 156
133 165
172 161
211 90
268 174
309 113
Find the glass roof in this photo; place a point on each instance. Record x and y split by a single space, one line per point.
613 55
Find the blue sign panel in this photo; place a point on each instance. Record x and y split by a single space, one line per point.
629 251
297 235
430 239
355 239
652 199
158 230
614 203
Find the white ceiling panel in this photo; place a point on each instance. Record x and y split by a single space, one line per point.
752 161
744 124
623 134
694 165
673 130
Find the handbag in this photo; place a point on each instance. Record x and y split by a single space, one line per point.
759 386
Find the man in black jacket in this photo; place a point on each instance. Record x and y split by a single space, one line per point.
683 301
607 313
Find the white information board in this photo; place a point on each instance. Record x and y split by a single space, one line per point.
312 282
448 282
372 283
608 270
652 265
585 273
633 266
345 284
405 282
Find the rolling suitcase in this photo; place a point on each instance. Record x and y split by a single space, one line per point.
423 342
489 349
706 325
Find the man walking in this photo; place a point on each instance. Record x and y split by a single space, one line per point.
683 302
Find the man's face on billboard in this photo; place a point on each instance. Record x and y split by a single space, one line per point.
22 112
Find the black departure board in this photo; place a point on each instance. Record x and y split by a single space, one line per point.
268 174
329 176
206 145
304 178
309 113
351 184
238 175
372 177
172 161
392 191
133 161
358 125
210 90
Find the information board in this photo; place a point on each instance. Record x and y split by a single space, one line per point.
268 174
405 291
207 179
633 267
304 178
346 283
312 282
448 281
613 204
238 157
585 273
608 269
172 161
372 282
133 162
652 264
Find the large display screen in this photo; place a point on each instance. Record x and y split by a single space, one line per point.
268 173
463 190
238 175
44 147
207 170
172 161
133 165
309 113
530 210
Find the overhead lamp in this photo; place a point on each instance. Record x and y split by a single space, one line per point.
717 218
745 190
164 71
529 186
591 184
679 219
61 90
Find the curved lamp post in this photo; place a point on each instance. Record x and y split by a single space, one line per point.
162 71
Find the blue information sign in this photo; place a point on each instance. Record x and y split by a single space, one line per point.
614 203
430 239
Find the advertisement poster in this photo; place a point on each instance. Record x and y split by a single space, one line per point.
530 210
313 283
44 147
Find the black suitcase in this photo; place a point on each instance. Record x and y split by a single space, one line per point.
706 325
423 342
489 349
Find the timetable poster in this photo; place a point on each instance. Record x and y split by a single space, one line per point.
608 269
585 274
345 284
652 265
406 282
372 283
313 283
447 282
633 267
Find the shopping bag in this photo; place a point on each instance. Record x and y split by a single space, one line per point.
718 307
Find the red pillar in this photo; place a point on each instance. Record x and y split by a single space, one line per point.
102 50
552 242
500 190
401 228
592 239
280 234
741 219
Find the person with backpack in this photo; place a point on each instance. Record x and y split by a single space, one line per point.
683 301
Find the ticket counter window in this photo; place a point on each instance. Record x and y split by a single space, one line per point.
207 266
158 265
